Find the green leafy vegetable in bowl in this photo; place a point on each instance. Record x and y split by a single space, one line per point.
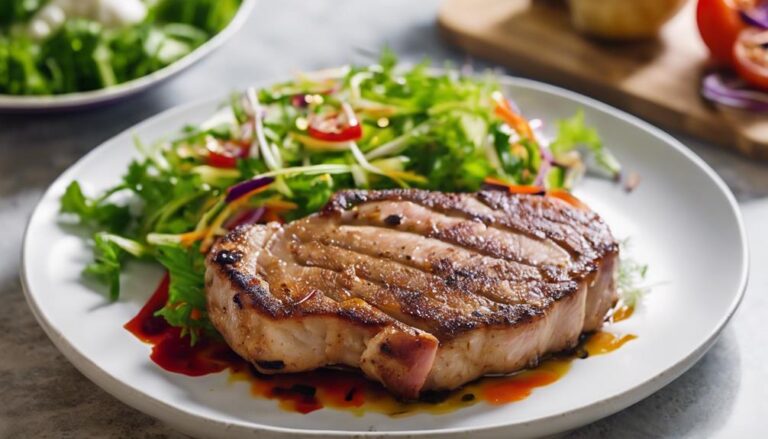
57 47
278 153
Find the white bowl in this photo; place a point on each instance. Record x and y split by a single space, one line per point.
71 101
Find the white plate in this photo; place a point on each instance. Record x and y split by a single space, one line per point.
70 101
682 219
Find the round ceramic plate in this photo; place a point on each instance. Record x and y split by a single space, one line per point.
682 220
71 101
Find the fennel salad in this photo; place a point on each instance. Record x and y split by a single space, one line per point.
278 153
51 47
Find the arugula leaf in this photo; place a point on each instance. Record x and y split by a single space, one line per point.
109 251
186 291
74 201
106 266
97 213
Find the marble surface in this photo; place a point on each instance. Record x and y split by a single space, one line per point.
724 395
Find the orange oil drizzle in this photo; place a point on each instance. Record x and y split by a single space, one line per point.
623 312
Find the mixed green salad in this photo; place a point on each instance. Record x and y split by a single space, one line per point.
65 46
278 153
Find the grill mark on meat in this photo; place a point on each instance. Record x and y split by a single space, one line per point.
358 237
447 203
257 294
410 307
400 305
386 272
426 297
495 279
404 304
318 304
598 236
571 239
493 219
282 268
472 235
519 217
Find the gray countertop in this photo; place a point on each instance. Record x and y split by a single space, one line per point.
724 395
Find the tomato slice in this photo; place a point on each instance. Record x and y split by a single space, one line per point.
337 126
223 154
720 25
751 56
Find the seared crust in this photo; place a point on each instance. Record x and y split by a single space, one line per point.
390 275
582 232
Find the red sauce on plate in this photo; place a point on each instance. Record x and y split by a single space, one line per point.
170 350
345 389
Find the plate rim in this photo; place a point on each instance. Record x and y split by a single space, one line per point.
91 97
181 419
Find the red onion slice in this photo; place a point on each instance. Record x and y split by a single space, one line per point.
730 91
756 16
251 216
241 189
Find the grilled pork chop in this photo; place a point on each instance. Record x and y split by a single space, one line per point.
421 290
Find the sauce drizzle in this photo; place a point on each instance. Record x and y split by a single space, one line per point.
345 388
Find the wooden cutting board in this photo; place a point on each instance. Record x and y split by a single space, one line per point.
658 80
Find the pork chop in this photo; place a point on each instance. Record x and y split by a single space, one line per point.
420 290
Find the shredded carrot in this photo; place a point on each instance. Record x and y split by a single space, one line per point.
568 198
190 237
195 314
242 200
222 217
280 205
515 188
514 120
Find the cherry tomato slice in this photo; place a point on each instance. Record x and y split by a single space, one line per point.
751 56
223 154
340 126
720 24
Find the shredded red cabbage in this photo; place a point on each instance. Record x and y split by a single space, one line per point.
240 189
251 216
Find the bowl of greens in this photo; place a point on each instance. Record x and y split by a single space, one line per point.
64 54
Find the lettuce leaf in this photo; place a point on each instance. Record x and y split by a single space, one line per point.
573 133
